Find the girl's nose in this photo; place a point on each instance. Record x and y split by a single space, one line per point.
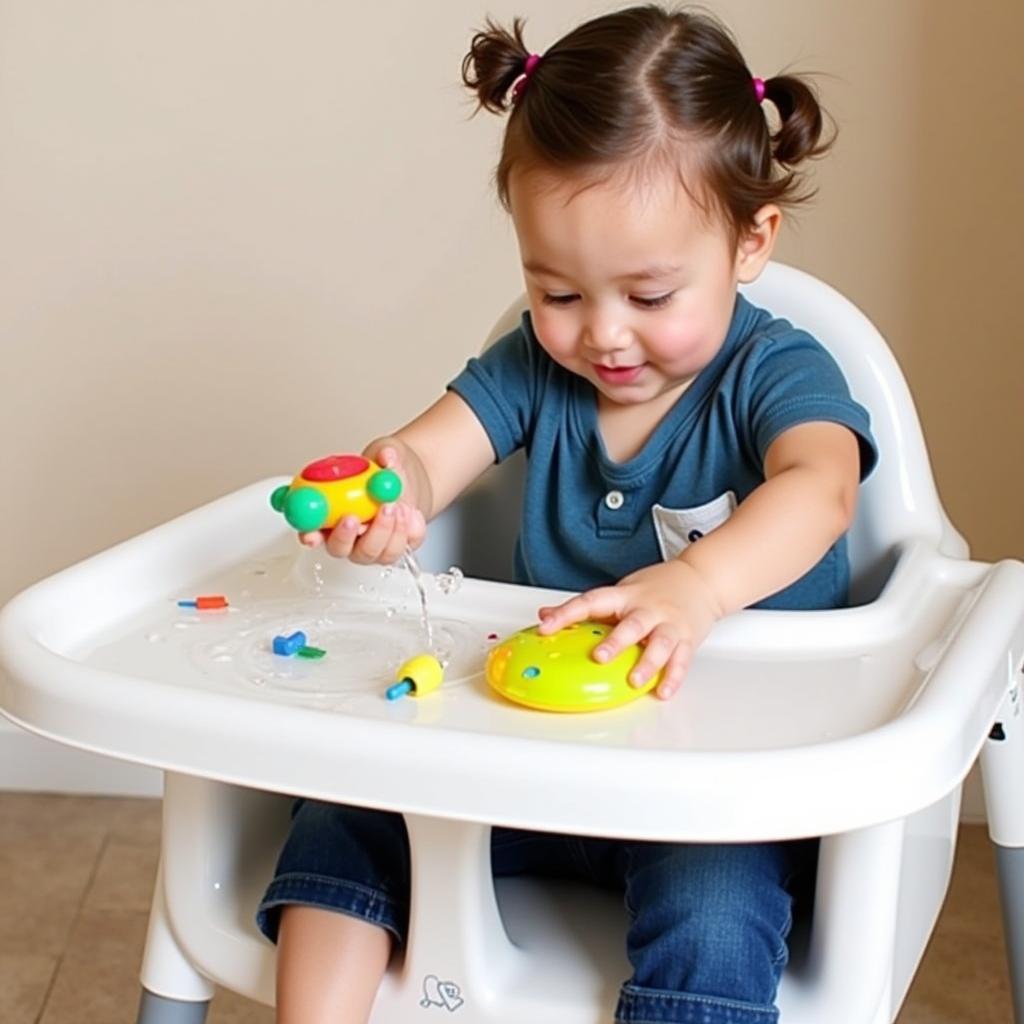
606 334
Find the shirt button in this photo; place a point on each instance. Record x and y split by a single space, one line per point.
614 500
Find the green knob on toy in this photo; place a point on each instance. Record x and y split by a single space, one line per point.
277 498
384 486
305 509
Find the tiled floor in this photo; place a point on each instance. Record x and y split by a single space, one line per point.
78 874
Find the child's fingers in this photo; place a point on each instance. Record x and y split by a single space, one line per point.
602 603
657 651
375 540
343 537
313 539
556 617
399 539
675 671
387 457
628 631
416 526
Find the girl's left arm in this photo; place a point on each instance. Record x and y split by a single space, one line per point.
782 529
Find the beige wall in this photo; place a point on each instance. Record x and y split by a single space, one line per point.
236 235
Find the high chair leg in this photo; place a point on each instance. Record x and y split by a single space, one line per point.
186 993
1011 888
154 1009
1002 764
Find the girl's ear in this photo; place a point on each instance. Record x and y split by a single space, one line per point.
756 245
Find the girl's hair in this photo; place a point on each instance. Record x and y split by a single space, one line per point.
649 83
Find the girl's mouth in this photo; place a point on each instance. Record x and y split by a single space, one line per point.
618 374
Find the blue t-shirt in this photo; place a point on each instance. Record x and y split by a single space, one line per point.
588 521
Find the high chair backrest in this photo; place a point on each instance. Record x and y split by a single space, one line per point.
899 501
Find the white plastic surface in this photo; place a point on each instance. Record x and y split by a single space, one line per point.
791 724
799 718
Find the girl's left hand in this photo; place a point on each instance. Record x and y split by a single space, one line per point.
667 607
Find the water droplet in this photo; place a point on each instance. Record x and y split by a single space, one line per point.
155 638
450 581
182 625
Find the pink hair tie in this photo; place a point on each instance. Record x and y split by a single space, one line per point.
759 89
529 65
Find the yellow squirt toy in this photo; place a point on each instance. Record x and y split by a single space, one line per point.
417 677
558 673
334 487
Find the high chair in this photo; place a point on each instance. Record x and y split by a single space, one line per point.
857 725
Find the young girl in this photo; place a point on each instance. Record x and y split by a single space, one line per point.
688 456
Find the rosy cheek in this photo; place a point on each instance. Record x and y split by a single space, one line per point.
553 335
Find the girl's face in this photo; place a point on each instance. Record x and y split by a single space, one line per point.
632 288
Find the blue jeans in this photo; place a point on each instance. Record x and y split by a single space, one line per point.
707 939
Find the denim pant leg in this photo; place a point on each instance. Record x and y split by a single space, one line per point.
708 935
349 859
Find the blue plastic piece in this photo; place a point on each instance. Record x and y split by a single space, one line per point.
400 689
186 604
289 645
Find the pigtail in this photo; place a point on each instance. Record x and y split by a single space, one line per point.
799 136
496 58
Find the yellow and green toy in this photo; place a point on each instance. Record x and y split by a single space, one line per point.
558 672
417 677
334 487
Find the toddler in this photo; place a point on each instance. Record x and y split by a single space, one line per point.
688 455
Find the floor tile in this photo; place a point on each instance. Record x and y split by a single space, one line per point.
133 820
24 981
48 876
231 1008
98 978
124 877
33 814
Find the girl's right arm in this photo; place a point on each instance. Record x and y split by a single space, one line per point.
438 455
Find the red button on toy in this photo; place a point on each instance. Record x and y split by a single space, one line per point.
336 467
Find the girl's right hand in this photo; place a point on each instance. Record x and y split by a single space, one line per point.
397 525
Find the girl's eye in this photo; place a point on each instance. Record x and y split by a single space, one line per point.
655 302
560 300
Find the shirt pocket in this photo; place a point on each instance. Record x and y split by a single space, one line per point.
678 528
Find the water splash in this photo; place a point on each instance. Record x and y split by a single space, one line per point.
450 581
411 563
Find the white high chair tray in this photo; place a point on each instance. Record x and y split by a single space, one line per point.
769 737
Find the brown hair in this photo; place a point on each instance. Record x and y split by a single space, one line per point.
630 86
